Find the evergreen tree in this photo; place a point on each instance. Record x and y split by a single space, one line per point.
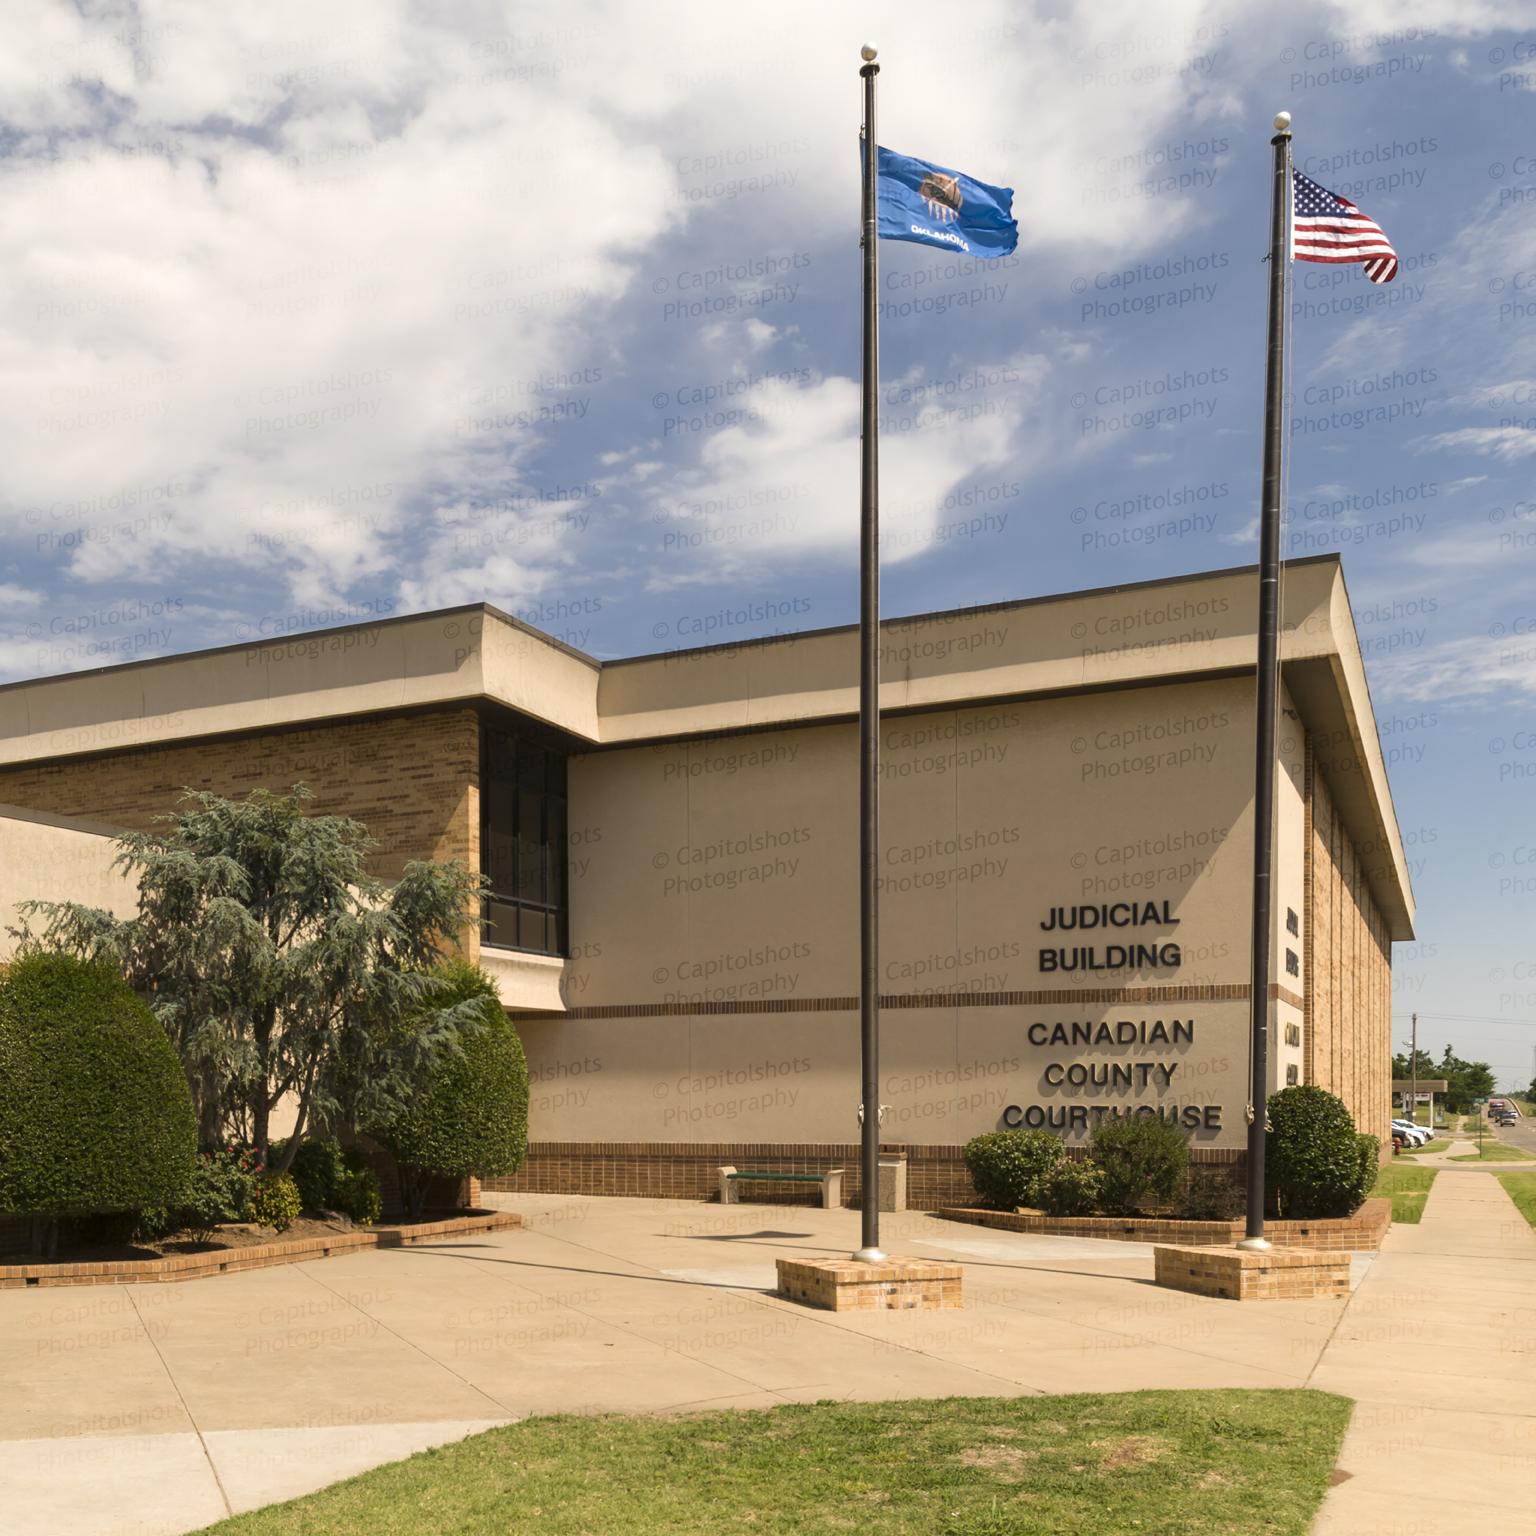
277 964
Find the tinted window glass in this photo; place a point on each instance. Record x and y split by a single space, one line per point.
522 841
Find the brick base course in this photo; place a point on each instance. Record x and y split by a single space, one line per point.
220 1261
1364 1230
1286 1275
936 1174
898 1285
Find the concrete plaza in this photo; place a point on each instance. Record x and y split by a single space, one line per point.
161 1408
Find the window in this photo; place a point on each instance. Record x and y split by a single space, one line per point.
1293 1034
522 841
1292 1076
1292 963
1292 922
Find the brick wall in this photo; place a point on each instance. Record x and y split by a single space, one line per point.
936 1175
1347 1035
681 1171
412 780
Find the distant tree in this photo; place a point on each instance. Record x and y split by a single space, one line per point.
277 964
1465 1080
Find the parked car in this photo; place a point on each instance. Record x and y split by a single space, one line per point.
1413 1135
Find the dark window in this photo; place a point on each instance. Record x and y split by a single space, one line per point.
1292 963
1292 923
1293 1034
1291 1077
522 841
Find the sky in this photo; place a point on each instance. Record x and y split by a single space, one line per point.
310 315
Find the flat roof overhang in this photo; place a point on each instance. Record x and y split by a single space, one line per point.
1145 634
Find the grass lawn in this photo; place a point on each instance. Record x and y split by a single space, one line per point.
1408 1188
1496 1152
1172 1462
1521 1188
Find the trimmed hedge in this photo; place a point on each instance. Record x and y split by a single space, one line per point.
1008 1168
472 1117
1315 1164
95 1113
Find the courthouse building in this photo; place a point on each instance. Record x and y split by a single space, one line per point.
672 847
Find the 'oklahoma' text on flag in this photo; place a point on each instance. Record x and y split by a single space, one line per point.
932 206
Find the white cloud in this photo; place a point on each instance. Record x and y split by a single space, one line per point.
1511 444
284 287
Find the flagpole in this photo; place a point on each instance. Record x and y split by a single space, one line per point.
1267 699
869 694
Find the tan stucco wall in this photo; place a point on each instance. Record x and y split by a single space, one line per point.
722 873
45 859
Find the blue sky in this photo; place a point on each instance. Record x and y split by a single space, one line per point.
312 315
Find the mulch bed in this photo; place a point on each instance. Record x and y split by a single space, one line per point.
174 1244
235 1249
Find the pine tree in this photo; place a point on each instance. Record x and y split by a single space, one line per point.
277 964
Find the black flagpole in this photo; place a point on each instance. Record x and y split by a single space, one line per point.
1267 701
869 695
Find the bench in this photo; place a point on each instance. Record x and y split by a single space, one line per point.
831 1184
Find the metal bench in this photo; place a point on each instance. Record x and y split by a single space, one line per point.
831 1183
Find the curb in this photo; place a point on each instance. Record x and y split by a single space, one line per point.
1361 1232
201 1266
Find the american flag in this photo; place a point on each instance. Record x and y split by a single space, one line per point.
1327 227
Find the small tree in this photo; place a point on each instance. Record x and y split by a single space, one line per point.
472 1116
276 962
1314 1162
1140 1157
95 1114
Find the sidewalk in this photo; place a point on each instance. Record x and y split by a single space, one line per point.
163 1407
1438 1347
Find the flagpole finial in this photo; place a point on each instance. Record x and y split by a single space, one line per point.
869 53
1282 121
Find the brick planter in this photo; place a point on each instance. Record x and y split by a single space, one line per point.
897 1285
1280 1275
222 1261
1333 1234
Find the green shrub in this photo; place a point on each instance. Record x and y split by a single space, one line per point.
95 1113
472 1117
221 1189
276 1201
153 1222
1072 1190
1210 1195
317 1169
1142 1158
357 1194
1315 1164
1006 1167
